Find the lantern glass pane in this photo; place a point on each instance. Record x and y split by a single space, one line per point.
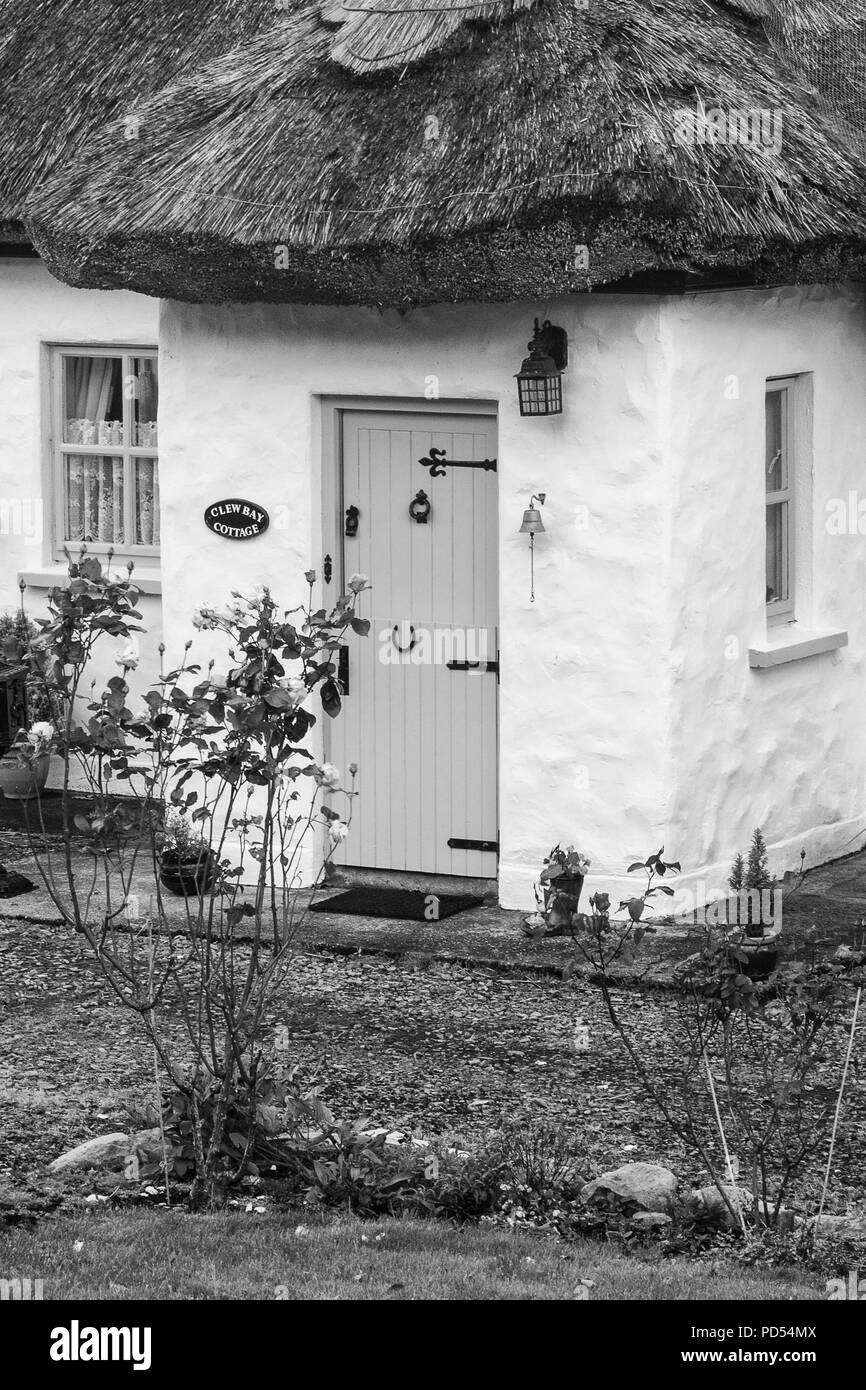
540 395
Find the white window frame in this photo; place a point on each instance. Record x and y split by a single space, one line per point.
784 609
57 449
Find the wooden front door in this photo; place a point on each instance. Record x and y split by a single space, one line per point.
420 718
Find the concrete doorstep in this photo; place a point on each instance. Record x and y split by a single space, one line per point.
486 935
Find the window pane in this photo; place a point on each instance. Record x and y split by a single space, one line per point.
94 497
146 399
777 444
146 501
777 553
92 400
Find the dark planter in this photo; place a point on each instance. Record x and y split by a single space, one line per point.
761 949
187 878
762 962
562 897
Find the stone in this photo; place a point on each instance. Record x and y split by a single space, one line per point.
648 1185
106 1151
647 1221
844 955
707 1204
838 1227
112 1152
147 1145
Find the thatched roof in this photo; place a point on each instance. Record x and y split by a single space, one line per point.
420 150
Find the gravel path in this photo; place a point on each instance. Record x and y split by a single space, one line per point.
423 1046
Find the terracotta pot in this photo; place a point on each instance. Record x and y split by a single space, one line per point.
20 780
187 878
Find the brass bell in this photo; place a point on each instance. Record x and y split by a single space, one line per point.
532 523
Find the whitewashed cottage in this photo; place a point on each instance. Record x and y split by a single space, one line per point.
329 231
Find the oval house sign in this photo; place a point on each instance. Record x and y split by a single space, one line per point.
236 518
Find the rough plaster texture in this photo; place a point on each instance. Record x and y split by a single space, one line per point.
628 715
625 722
36 310
783 748
240 416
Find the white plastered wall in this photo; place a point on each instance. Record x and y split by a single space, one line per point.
624 721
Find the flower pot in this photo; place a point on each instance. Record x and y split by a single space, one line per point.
20 780
561 899
762 951
762 961
187 878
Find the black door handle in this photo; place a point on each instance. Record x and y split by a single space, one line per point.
343 669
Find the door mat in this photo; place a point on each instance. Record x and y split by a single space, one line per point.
402 904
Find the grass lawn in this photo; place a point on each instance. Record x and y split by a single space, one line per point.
239 1256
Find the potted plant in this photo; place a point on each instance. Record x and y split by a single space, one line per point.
16 632
24 768
187 864
562 882
752 882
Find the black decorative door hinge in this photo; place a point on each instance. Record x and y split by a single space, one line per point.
486 846
327 568
473 666
437 463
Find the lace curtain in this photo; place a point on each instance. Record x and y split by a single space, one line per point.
94 484
147 502
94 498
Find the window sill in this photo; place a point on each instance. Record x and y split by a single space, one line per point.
783 646
148 583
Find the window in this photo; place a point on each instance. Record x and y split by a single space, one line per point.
779 486
104 449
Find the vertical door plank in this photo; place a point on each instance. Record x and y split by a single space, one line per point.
424 736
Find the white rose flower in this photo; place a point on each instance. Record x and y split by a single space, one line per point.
205 619
328 776
337 831
128 659
296 688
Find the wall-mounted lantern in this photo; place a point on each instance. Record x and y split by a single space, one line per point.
539 381
531 526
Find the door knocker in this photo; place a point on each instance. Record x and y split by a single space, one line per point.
394 638
352 515
419 507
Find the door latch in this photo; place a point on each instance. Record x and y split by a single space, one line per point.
343 669
352 515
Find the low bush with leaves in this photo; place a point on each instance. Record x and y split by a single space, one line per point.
226 753
755 1070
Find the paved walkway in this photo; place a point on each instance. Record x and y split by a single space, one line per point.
832 896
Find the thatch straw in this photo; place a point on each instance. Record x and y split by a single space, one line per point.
385 150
